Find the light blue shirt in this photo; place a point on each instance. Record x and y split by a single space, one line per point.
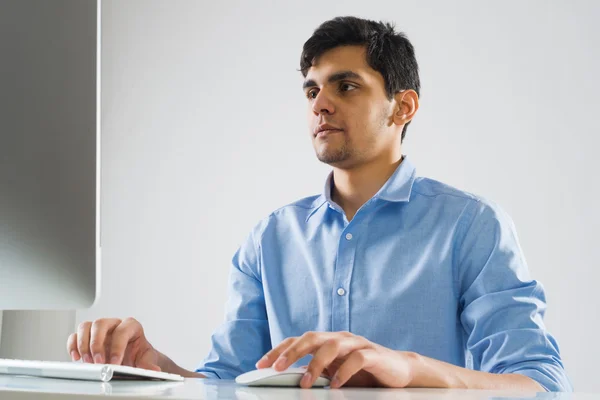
421 267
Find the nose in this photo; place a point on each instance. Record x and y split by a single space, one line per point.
322 104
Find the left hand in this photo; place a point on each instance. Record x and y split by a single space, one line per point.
346 358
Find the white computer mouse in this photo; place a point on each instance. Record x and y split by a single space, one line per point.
270 377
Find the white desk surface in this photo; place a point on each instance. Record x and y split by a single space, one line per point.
16 387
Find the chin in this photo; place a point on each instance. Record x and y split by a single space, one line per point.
332 154
335 160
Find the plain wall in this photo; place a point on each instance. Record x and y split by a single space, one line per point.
204 134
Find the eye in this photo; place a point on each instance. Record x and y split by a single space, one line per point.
346 87
311 94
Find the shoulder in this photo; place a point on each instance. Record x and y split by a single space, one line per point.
431 188
290 213
472 206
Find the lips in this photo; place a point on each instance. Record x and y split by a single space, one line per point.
326 132
325 129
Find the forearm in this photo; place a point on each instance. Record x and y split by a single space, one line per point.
431 373
168 365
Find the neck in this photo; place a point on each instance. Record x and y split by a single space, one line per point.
355 186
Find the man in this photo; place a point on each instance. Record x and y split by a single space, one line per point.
385 279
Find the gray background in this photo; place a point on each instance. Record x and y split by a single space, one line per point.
204 134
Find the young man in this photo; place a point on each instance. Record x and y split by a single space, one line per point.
385 279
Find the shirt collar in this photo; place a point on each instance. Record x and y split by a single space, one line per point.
397 188
399 185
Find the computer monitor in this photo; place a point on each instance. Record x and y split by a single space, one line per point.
49 154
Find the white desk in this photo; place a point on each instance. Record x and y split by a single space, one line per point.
22 388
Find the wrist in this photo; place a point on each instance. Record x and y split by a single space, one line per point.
415 367
428 373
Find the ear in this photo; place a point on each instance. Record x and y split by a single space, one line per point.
407 104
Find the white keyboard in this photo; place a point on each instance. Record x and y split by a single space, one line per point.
81 371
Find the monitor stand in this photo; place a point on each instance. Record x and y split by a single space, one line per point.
36 335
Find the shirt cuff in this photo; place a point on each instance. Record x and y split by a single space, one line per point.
208 374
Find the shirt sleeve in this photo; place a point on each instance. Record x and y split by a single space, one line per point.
501 308
243 338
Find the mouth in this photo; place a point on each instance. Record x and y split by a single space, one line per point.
326 132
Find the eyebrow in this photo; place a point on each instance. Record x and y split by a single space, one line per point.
338 76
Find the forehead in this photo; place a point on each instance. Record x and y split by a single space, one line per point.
343 58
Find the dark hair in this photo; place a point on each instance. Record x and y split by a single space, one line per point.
388 52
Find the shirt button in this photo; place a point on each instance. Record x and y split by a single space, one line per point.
348 236
341 291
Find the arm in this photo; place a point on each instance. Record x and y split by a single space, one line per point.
244 335
430 373
501 308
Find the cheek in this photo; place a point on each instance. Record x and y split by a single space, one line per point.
363 117
365 130
376 121
311 120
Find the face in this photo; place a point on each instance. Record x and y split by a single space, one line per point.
350 118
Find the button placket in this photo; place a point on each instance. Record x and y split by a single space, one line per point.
343 274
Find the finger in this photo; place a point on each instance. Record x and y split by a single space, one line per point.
306 344
101 328
269 358
83 341
329 352
356 361
148 361
323 356
72 347
127 331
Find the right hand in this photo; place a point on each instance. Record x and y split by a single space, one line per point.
113 341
